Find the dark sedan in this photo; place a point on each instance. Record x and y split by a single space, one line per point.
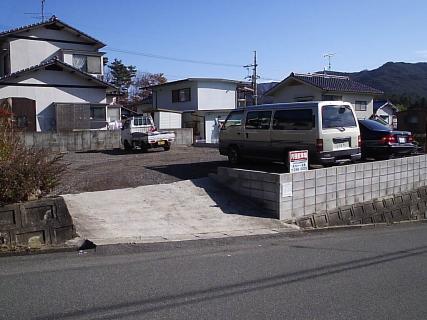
381 142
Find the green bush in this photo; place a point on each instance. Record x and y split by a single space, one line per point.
25 174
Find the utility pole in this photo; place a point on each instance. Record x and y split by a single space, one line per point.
43 1
254 78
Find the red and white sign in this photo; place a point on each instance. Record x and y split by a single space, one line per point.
298 161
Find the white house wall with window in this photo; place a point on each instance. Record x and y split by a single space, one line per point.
325 87
53 63
204 103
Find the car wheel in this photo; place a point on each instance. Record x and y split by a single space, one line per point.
127 146
233 156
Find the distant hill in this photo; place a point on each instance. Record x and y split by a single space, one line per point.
401 82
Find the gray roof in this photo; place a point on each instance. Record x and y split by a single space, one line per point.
57 62
51 22
330 83
199 79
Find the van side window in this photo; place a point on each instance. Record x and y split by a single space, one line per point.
234 119
258 120
293 120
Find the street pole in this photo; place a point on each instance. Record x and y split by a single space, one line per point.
254 79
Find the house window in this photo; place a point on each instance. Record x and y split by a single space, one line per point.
181 95
330 97
97 113
361 106
89 64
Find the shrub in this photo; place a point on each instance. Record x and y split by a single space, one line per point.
25 174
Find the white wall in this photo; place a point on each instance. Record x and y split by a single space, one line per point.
216 95
45 96
26 53
211 125
291 93
167 120
162 97
352 98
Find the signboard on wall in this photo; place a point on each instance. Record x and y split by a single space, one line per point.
298 161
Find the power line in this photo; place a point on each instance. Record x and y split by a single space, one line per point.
155 56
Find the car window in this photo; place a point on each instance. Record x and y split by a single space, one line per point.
141 121
258 120
374 125
233 119
293 120
336 116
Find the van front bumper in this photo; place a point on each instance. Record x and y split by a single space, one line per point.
339 156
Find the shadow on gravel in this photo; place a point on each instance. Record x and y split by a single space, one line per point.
119 152
188 171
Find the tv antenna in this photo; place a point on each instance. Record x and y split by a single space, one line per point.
329 56
39 15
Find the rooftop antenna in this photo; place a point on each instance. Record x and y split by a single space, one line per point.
329 56
38 14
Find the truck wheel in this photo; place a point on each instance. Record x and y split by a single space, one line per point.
167 147
234 156
127 146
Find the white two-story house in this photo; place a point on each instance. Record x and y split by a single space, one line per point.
324 87
51 76
203 102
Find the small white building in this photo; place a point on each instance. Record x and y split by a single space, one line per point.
325 87
203 102
59 70
387 111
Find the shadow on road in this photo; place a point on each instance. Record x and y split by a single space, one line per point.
144 306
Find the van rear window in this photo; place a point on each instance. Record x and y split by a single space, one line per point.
337 117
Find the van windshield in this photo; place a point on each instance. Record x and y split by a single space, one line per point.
337 117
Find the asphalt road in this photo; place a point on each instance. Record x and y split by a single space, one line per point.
356 274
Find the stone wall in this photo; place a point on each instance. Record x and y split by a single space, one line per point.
90 140
48 219
295 196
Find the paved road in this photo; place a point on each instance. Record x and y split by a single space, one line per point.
358 274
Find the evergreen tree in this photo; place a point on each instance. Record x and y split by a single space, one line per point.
121 75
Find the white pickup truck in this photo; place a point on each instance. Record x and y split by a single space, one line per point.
139 132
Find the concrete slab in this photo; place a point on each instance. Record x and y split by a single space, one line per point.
185 210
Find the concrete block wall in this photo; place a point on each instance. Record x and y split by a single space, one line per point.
48 219
324 190
89 140
259 186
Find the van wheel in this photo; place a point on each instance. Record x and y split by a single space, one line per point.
233 156
127 146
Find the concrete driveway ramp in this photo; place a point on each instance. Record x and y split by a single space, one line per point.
185 210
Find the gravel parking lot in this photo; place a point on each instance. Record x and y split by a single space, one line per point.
115 169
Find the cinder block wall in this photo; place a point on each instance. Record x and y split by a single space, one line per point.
89 140
324 190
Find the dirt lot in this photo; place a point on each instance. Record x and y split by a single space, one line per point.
114 169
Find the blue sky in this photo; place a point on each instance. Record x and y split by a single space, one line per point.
288 35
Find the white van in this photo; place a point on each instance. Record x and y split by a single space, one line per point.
328 130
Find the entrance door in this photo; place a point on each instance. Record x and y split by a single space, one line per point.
24 114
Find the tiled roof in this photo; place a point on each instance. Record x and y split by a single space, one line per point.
50 21
330 83
57 62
